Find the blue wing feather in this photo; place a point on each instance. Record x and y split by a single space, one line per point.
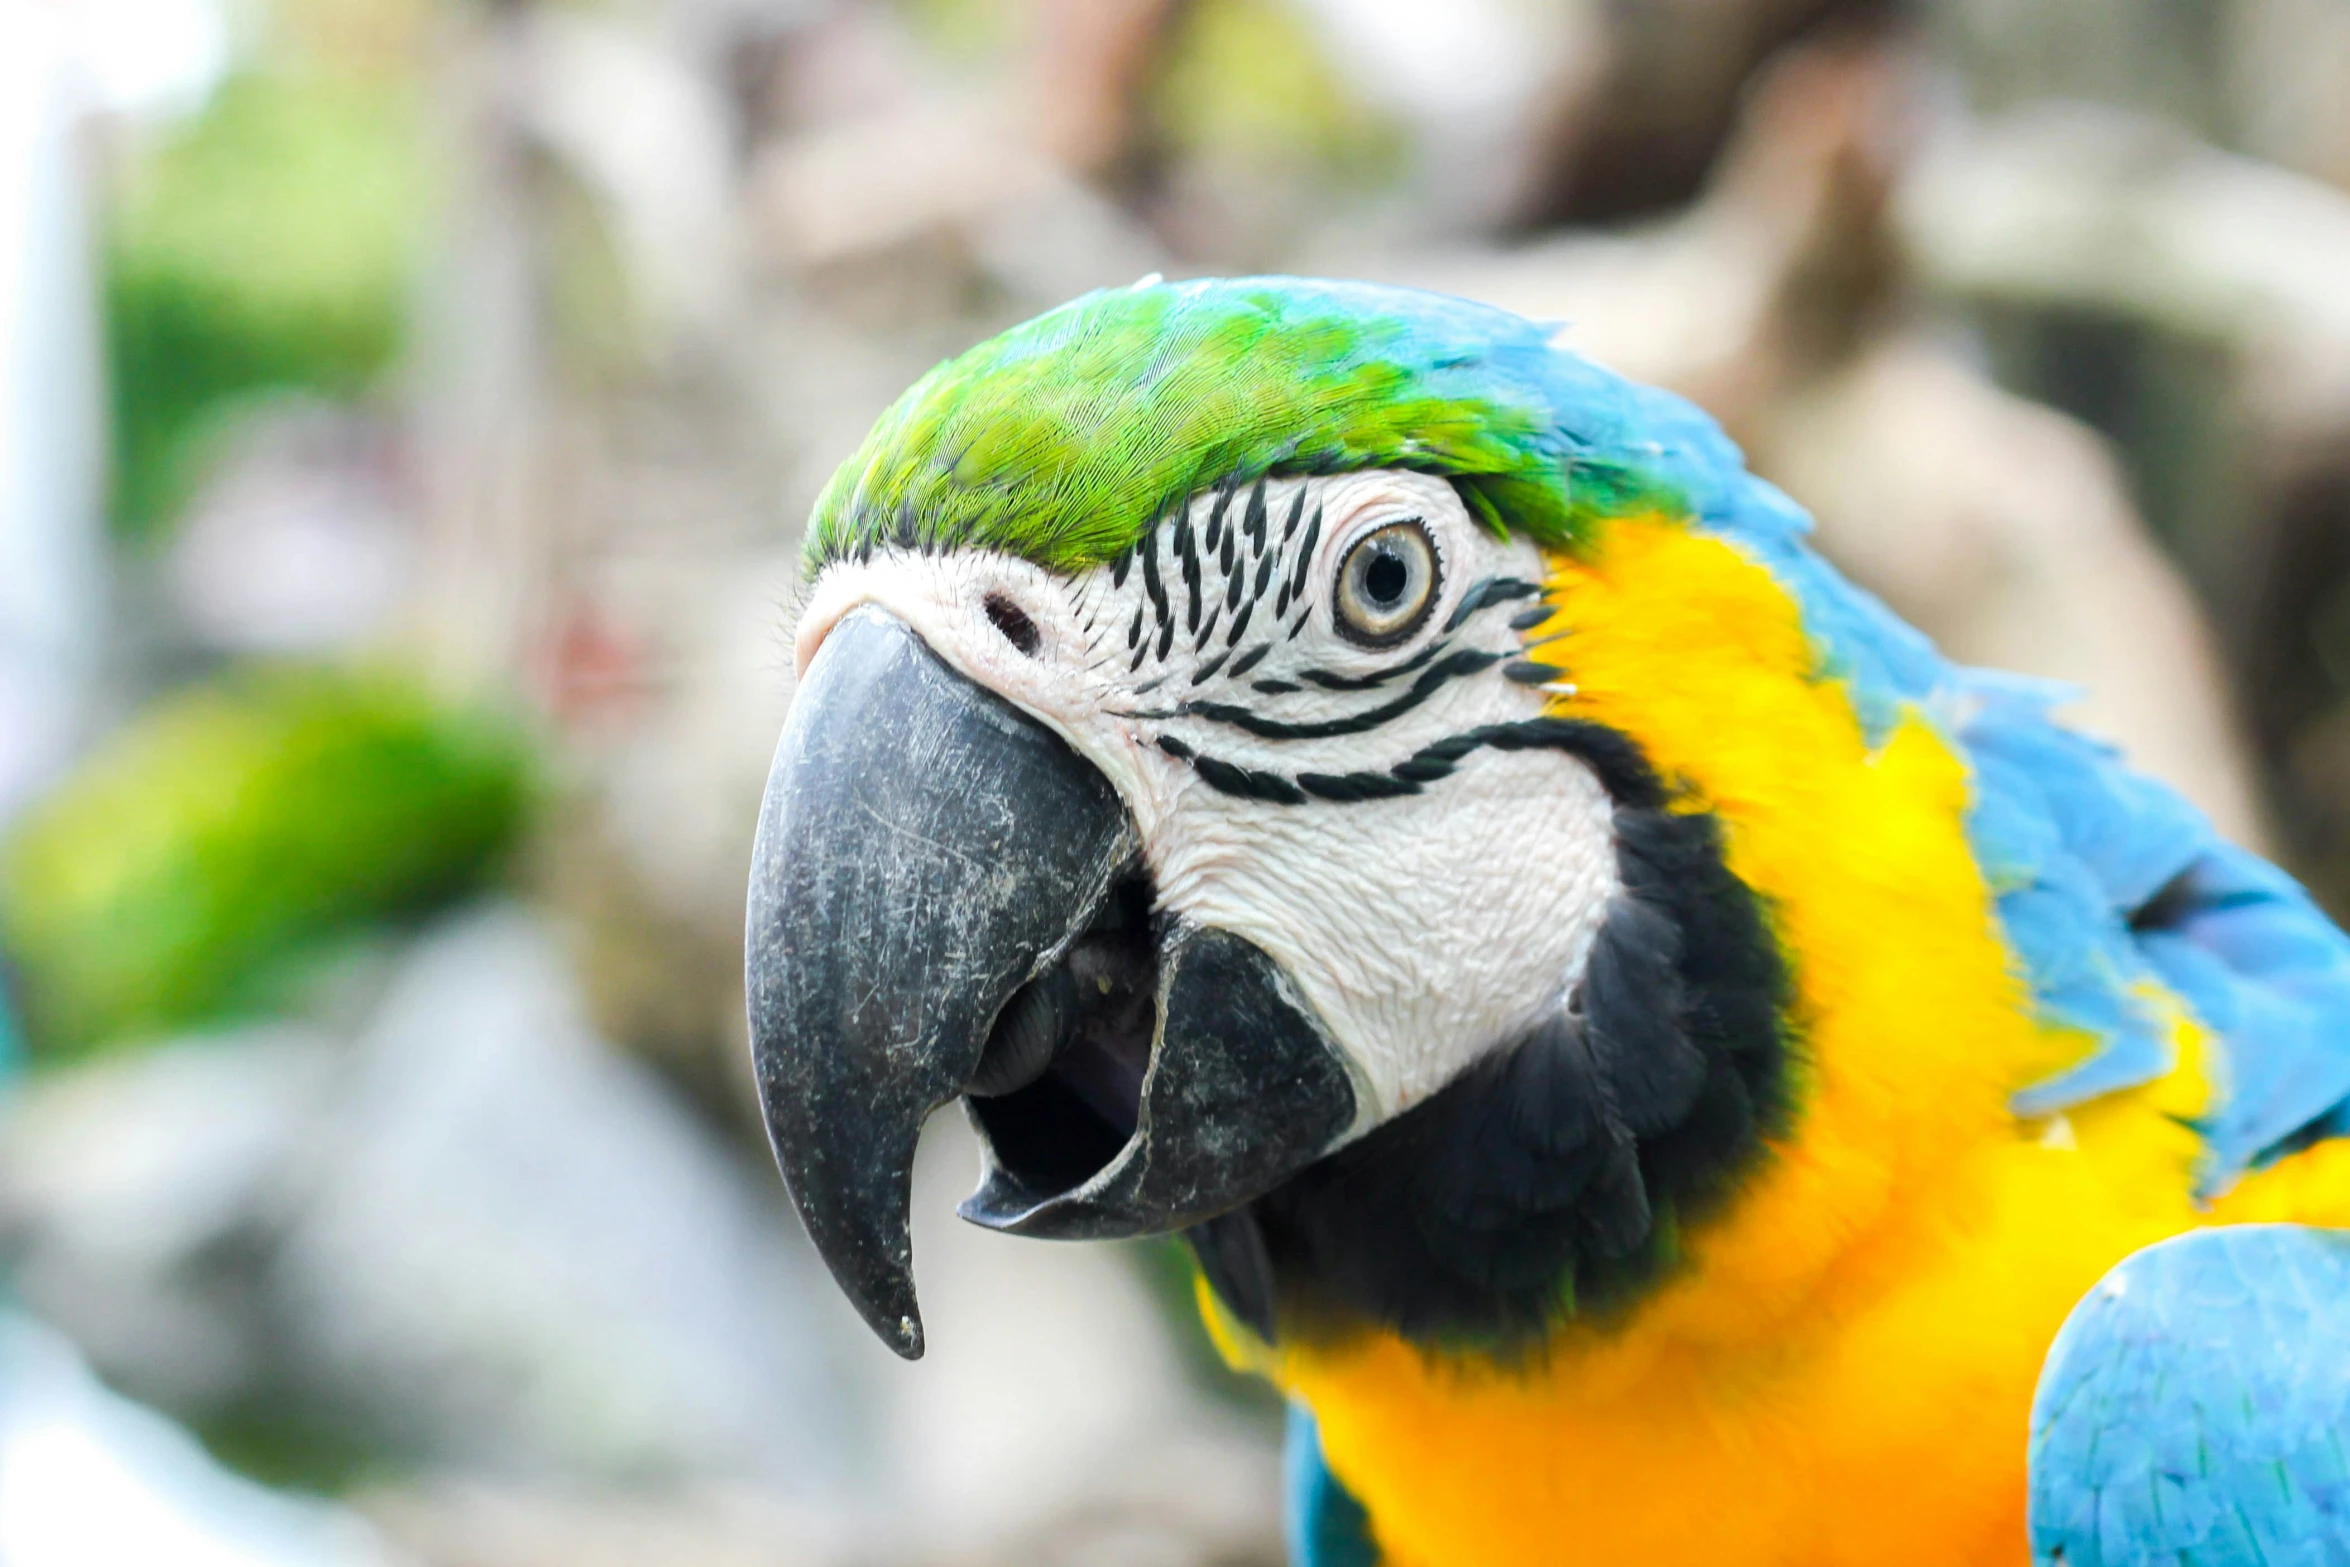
2195 1407
2107 881
1326 1526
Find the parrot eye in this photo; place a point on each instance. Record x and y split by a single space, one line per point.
1386 584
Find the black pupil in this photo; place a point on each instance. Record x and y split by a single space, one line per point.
1386 577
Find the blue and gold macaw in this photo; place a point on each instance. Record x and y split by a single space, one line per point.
1653 1061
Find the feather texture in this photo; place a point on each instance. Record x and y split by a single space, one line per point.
1063 439
2194 1407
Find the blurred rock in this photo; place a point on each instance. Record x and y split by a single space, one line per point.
1195 1507
517 1251
1050 1399
89 1479
475 1236
468 1523
134 1193
467 1237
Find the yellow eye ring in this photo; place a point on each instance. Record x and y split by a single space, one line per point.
1386 584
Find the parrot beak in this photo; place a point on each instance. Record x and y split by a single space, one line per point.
947 901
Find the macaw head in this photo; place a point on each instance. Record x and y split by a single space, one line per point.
1185 775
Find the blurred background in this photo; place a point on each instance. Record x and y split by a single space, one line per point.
408 409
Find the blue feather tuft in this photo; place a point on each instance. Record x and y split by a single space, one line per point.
2194 1407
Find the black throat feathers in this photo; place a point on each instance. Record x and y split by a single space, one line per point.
1552 1178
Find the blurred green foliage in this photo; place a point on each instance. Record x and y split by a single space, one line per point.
268 243
965 32
1249 82
234 826
280 1441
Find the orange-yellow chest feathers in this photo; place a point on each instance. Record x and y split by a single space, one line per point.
1840 1367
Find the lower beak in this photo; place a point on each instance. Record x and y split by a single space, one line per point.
947 901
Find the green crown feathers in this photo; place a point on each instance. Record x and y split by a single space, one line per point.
1063 439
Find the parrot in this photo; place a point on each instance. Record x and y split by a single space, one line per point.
1652 1061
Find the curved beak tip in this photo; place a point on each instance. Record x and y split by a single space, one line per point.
922 847
927 855
906 1339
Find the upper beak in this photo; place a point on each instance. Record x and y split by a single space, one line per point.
946 900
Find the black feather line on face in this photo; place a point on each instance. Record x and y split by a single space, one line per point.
1208 669
1191 574
1254 520
1246 782
1347 788
1377 677
1250 659
1485 594
1239 624
1615 761
1215 528
1297 509
1468 661
1305 556
1553 1177
1152 583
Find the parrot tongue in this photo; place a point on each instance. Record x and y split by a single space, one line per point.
1155 1118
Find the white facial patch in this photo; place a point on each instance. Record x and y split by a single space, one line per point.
1311 697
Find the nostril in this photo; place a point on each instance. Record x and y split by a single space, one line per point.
1013 622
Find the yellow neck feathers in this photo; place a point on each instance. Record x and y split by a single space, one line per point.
1842 1367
